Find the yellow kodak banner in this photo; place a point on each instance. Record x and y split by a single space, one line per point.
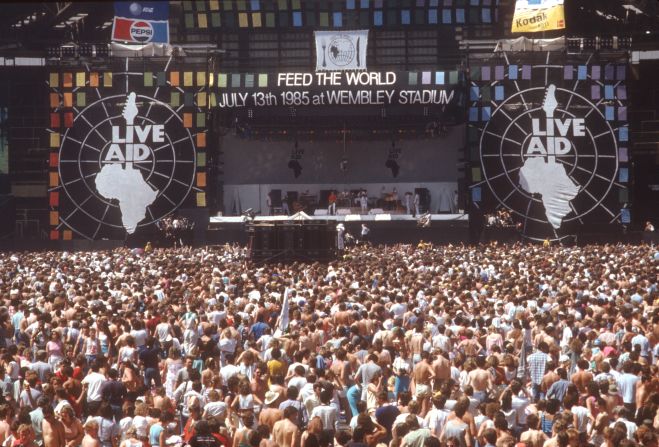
532 16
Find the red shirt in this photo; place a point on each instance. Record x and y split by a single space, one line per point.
223 439
152 323
78 373
188 430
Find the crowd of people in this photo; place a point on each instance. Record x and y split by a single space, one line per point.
403 346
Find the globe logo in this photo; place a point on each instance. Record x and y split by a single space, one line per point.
135 9
341 51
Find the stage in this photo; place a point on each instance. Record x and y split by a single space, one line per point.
385 228
380 217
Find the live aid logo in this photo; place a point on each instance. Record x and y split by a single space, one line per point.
555 141
134 141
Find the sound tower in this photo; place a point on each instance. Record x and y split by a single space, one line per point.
291 241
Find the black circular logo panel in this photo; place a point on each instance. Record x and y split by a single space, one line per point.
549 156
127 162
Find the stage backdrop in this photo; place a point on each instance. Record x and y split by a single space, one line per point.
254 167
548 138
128 141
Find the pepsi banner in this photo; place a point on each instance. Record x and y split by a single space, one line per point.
141 22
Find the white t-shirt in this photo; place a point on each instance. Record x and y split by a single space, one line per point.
627 386
124 425
297 382
25 398
107 430
436 420
228 371
327 414
520 404
216 317
215 408
95 380
141 426
291 368
140 336
162 331
398 310
582 417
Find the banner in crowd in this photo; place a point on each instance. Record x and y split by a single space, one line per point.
127 146
341 50
532 16
548 138
245 90
141 22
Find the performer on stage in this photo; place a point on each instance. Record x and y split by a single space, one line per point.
363 202
331 209
408 202
284 205
268 203
454 202
417 203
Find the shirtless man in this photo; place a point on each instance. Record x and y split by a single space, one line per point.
285 432
480 379
359 326
342 317
469 345
441 366
318 335
241 435
342 372
91 434
416 342
582 377
270 415
550 377
5 427
545 335
52 429
423 375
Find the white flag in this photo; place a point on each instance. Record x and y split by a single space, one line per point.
341 50
283 316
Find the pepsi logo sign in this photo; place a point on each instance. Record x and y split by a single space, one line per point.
141 31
